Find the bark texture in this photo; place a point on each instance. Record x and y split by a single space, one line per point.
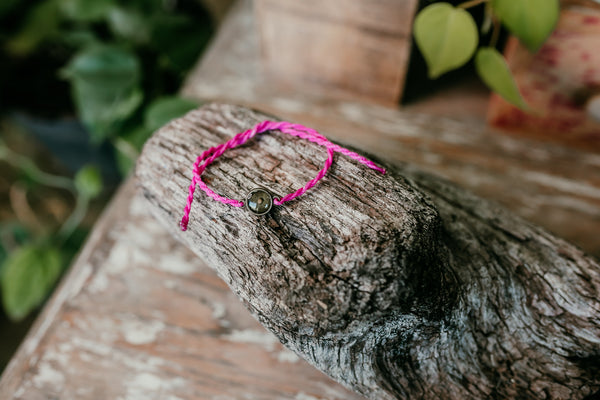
398 286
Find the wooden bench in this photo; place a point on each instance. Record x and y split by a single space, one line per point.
139 316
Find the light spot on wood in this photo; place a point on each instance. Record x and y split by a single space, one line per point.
262 338
170 284
219 311
288 104
149 386
99 284
119 259
141 332
142 235
175 263
304 396
287 356
47 375
560 183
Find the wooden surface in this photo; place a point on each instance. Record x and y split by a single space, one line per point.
141 317
398 285
354 49
99 338
551 185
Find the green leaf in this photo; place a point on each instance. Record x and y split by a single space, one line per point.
88 181
79 38
532 21
102 110
102 65
29 274
105 86
447 36
41 23
165 109
86 10
494 71
130 24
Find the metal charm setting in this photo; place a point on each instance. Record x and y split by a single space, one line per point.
259 201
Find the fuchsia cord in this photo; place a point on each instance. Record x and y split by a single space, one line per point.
300 131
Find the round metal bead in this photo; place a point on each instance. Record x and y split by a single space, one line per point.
259 201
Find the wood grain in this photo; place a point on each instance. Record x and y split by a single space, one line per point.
141 317
352 49
398 285
553 186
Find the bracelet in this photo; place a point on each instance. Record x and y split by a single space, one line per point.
259 201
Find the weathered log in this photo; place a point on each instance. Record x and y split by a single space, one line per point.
398 286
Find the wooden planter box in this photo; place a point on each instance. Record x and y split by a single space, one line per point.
350 49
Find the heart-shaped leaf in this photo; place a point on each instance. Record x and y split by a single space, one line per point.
447 36
532 21
105 82
494 71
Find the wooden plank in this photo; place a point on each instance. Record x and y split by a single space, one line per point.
141 317
352 49
550 185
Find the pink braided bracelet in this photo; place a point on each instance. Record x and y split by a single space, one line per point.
259 201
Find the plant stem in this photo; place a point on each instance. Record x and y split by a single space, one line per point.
69 226
26 165
17 195
471 3
495 33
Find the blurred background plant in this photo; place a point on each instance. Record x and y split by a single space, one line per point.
448 37
82 86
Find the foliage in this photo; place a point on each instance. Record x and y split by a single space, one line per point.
494 71
121 60
30 270
28 275
532 21
122 56
88 182
441 54
447 37
105 82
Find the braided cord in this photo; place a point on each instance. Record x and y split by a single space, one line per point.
210 155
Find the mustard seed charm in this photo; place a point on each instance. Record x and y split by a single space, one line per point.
259 201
